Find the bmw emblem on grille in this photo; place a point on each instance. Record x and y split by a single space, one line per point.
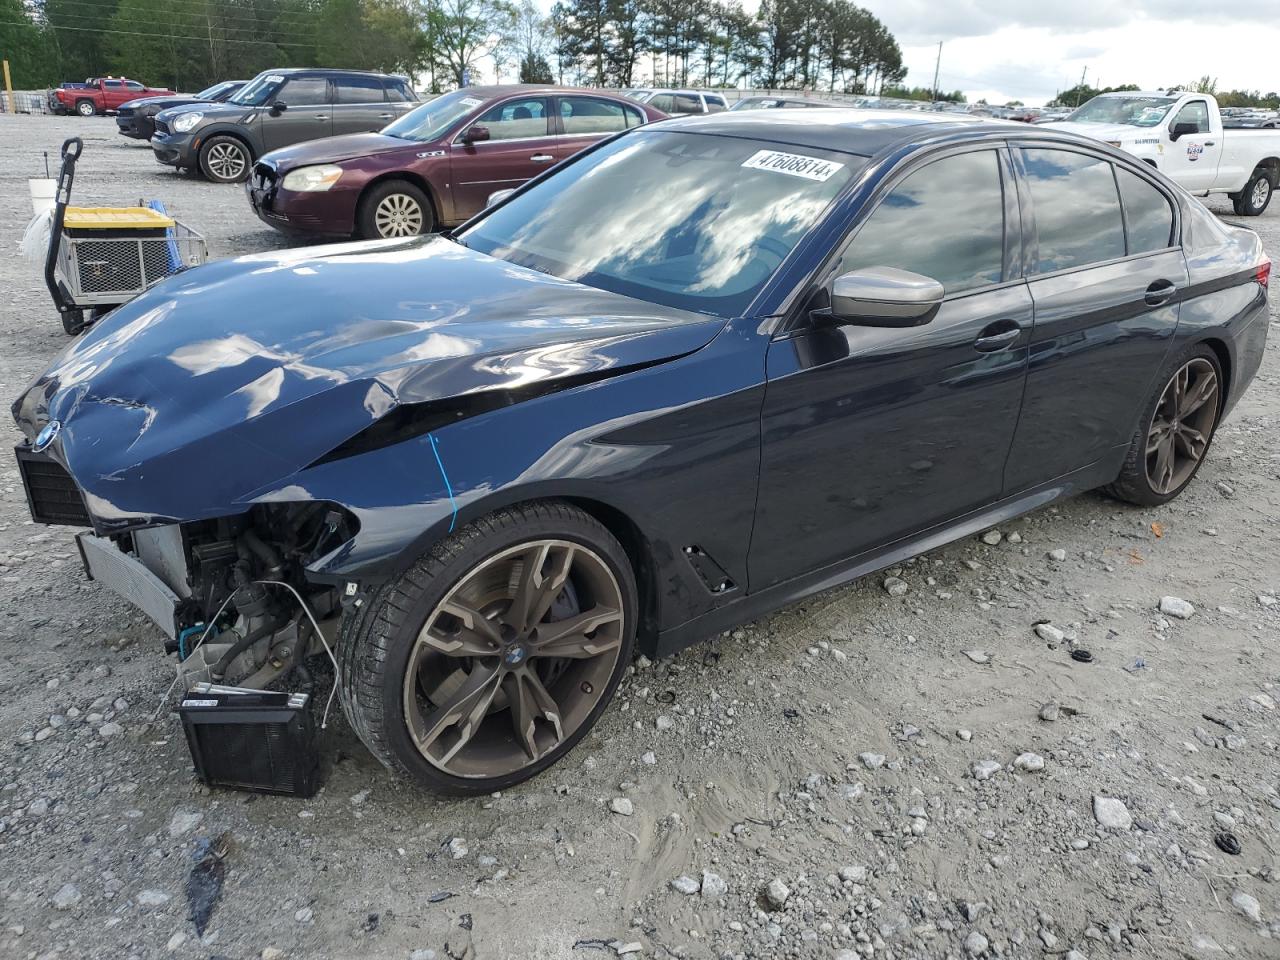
47 435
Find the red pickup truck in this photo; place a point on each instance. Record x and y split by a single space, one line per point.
101 95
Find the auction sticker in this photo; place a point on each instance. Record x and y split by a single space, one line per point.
792 164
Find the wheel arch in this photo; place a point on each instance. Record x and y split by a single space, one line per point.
234 135
639 552
1272 166
1221 351
409 177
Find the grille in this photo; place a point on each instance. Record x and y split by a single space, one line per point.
52 496
125 112
121 266
162 127
251 739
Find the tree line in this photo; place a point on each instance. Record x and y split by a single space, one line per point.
830 45
1083 93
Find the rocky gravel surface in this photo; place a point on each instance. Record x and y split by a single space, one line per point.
922 765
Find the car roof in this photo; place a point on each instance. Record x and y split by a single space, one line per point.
1143 93
869 132
504 89
846 129
289 71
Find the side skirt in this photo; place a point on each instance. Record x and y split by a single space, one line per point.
755 605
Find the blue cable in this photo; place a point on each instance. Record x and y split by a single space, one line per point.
435 448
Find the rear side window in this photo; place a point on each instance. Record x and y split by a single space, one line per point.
587 115
715 104
304 91
945 221
1077 209
356 89
1148 216
634 117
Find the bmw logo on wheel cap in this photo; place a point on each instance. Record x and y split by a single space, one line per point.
47 435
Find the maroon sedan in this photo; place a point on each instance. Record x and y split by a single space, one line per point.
435 166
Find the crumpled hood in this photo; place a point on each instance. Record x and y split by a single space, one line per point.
336 149
240 373
1106 131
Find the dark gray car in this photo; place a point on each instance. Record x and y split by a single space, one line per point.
276 109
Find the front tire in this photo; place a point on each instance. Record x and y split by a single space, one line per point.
394 208
1175 432
86 108
1256 195
490 658
225 160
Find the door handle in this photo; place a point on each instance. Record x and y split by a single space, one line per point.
385 116
541 157
1160 292
322 116
997 336
1209 143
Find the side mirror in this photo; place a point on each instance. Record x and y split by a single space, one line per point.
1183 129
884 297
475 134
278 107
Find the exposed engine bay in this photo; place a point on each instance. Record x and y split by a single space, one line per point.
238 608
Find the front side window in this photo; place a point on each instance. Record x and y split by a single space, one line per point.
398 91
304 92
694 222
516 119
945 221
664 102
587 116
1148 216
134 85
1195 113
356 89
1077 209
715 104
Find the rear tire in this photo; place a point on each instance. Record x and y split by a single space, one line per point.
467 705
1176 430
225 160
1256 194
86 108
394 208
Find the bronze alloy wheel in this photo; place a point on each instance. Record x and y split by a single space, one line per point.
514 658
1182 425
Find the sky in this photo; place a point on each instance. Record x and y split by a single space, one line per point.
1028 50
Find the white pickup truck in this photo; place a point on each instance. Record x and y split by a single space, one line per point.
1181 135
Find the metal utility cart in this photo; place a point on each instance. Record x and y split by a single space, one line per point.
101 257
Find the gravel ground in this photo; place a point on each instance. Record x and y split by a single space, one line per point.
869 773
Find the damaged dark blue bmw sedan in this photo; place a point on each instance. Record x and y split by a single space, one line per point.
706 368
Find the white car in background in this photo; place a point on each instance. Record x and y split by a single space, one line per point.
1181 135
680 102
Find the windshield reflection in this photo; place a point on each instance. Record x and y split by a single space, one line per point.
686 220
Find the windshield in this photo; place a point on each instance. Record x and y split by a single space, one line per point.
256 92
431 119
686 220
1135 111
208 93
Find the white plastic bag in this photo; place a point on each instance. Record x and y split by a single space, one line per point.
35 239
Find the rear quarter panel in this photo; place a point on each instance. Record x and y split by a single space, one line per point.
1224 304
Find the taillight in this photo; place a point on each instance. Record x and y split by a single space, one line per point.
1263 276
